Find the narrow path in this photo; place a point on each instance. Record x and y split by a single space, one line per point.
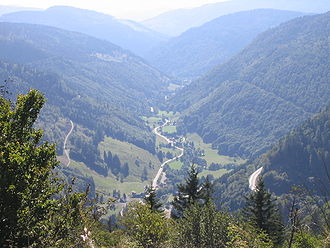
253 179
160 171
65 149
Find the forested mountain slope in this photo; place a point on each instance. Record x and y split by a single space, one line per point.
178 21
126 34
246 104
91 64
199 49
102 88
301 158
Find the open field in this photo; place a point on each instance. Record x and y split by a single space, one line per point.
160 140
151 121
211 155
169 129
107 184
136 157
168 115
216 174
175 165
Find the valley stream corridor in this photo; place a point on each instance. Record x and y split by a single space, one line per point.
160 171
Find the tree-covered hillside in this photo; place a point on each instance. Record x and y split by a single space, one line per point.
199 49
127 34
301 158
102 88
246 104
90 63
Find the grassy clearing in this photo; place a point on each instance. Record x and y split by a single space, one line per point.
160 140
107 184
211 155
152 122
175 165
216 174
136 157
168 115
169 129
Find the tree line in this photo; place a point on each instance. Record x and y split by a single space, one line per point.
38 209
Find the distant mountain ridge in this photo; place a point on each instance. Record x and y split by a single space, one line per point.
102 88
246 104
200 49
175 22
126 34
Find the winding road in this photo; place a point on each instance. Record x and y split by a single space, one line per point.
66 150
160 171
253 179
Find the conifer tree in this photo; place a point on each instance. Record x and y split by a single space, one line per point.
208 190
115 166
144 175
125 170
189 193
152 200
263 213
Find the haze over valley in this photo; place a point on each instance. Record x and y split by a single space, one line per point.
161 125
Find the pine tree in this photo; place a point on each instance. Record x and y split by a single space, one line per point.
152 200
144 175
263 213
115 166
189 193
125 170
208 190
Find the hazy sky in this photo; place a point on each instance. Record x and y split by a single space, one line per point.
130 9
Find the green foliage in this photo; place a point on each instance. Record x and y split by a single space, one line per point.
299 158
102 88
26 188
249 102
304 239
36 209
190 193
203 226
133 160
302 154
244 235
262 212
151 199
145 227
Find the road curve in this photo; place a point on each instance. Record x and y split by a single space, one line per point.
156 178
253 179
65 149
